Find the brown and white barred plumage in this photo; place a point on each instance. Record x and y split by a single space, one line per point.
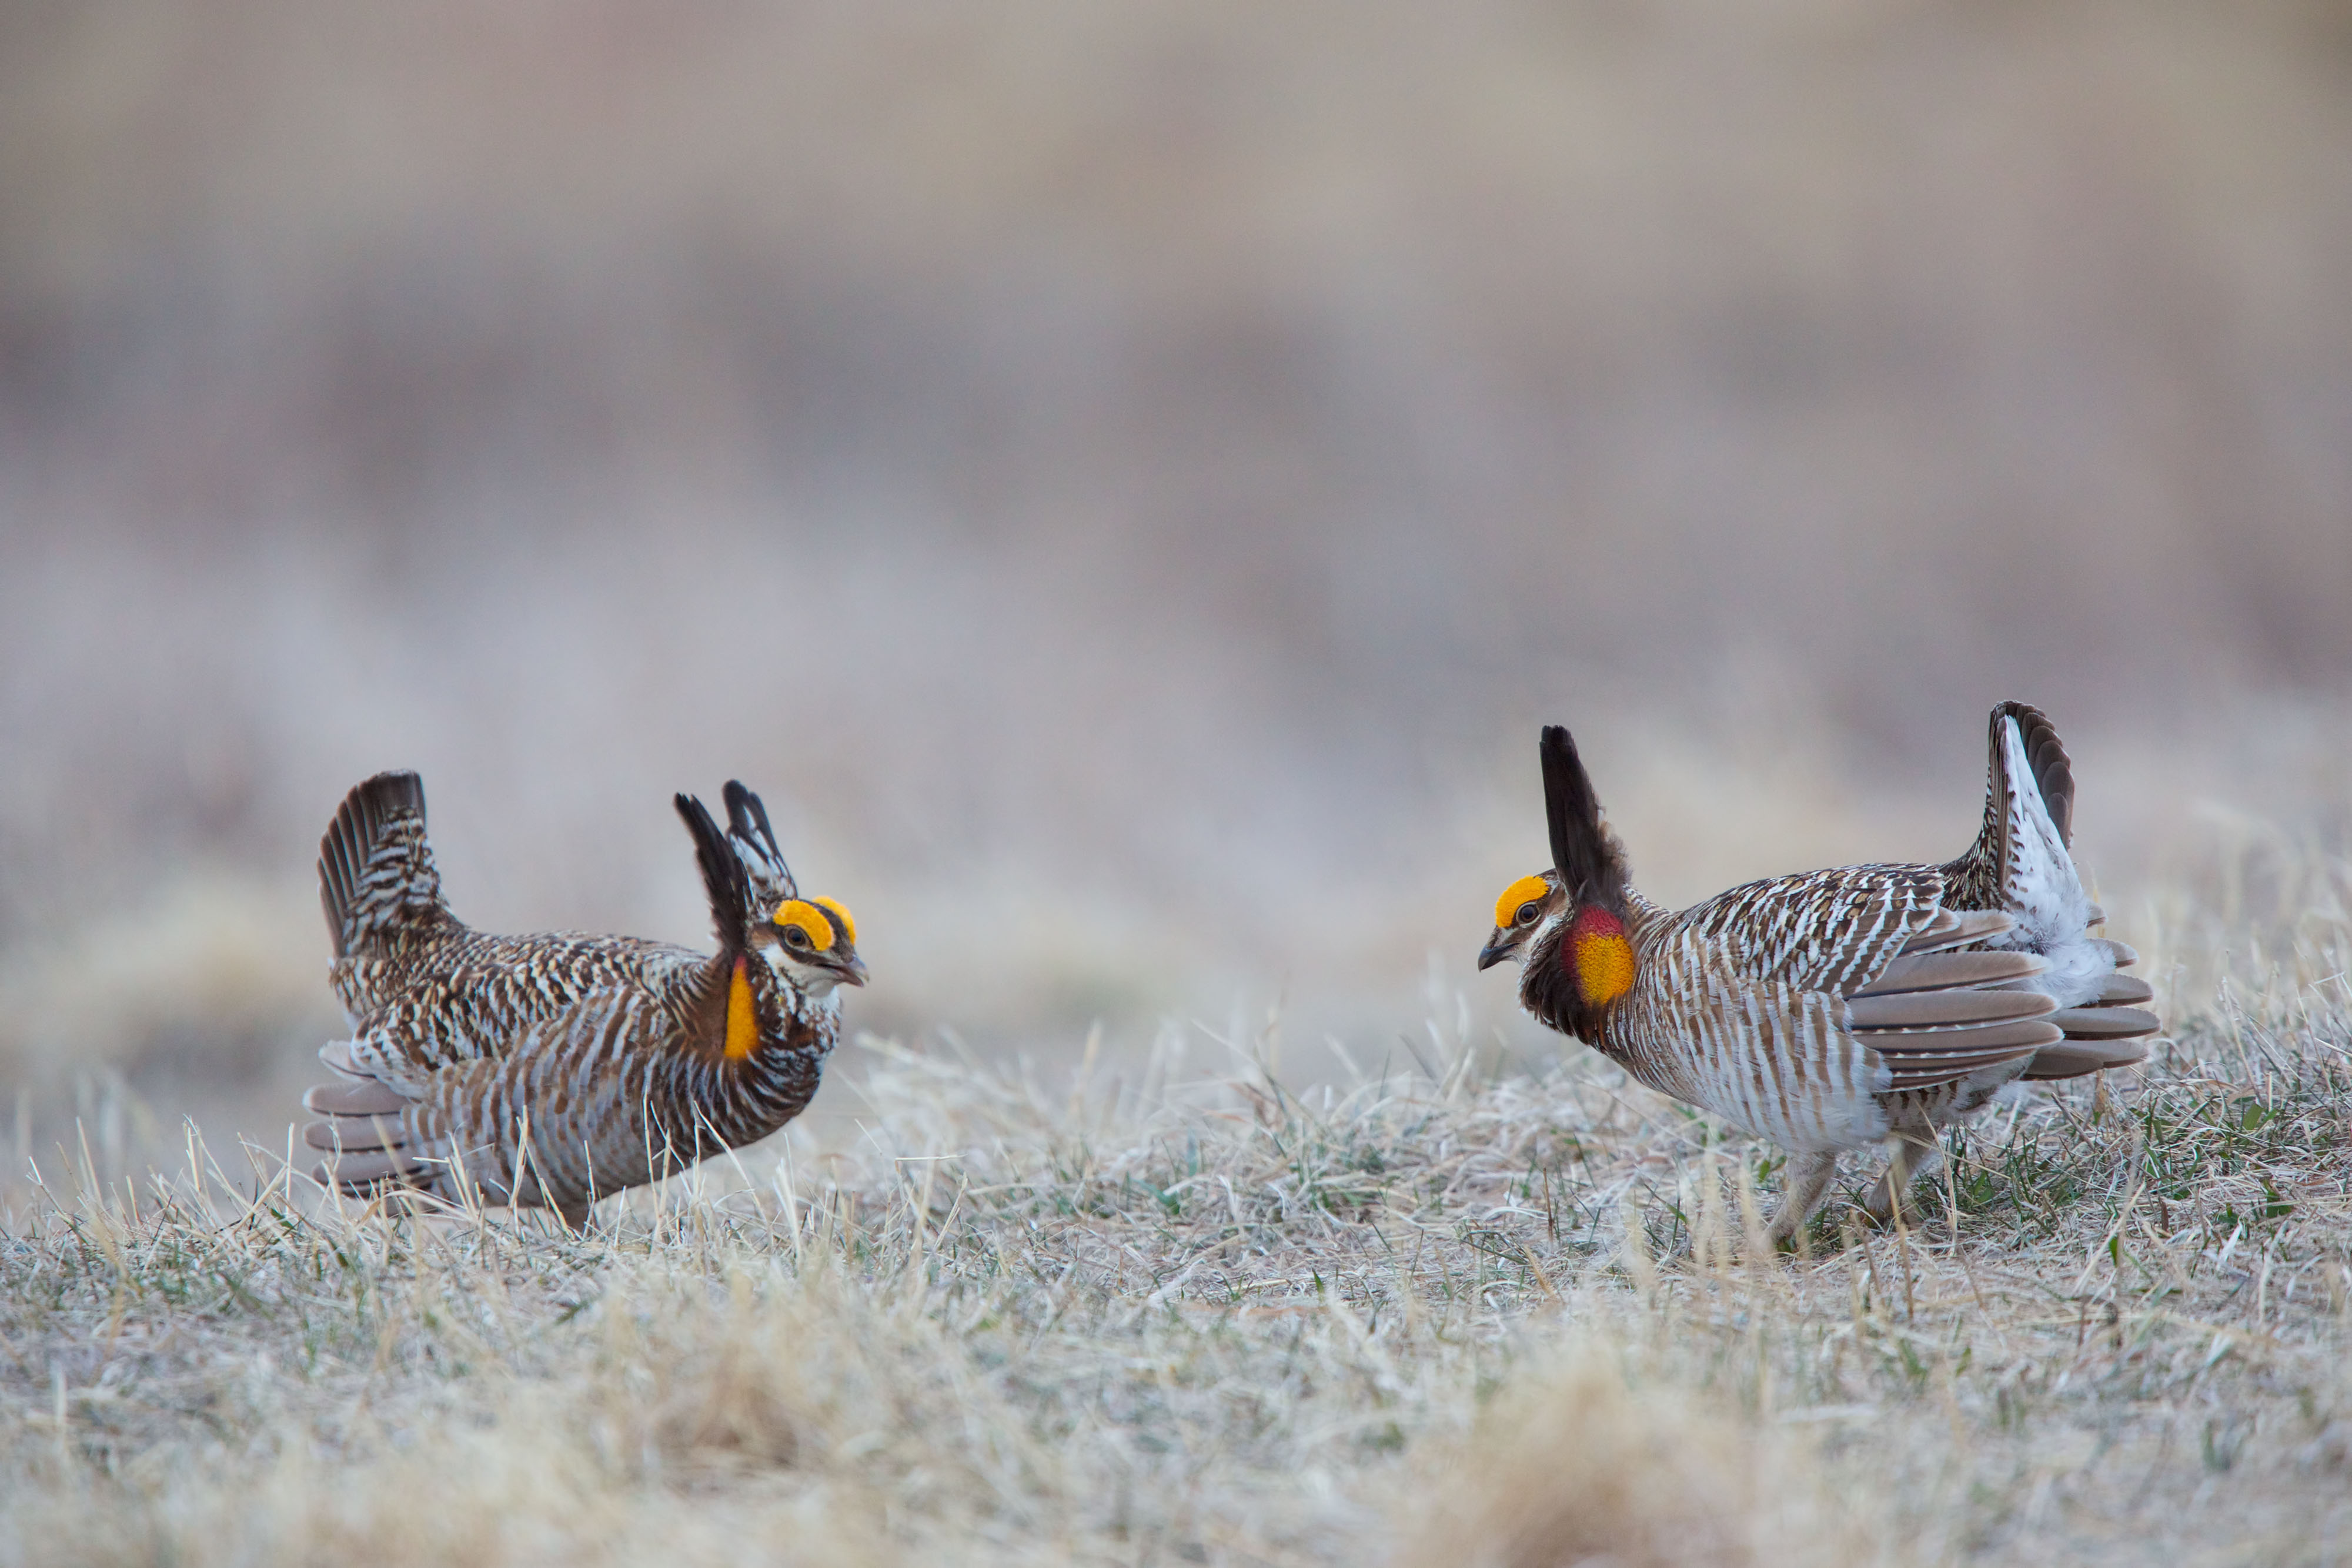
1832 1010
556 1069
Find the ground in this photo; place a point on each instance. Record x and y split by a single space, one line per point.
1473 1313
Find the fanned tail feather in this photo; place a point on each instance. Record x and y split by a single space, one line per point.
2022 864
2054 774
2047 771
376 876
2106 1032
365 1132
2039 768
2072 1058
2038 881
2023 859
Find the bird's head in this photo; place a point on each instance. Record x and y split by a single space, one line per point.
1518 913
813 944
1572 917
1535 919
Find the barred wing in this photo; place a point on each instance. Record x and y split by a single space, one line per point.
558 1120
1789 1006
484 994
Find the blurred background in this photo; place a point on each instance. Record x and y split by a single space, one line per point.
1128 480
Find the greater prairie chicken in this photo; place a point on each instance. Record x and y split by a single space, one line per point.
1833 1010
557 1069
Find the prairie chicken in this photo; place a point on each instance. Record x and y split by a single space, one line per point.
557 1069
1833 1010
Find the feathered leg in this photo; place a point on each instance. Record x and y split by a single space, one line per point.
1917 1153
1809 1177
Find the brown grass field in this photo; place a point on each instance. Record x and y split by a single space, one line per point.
1462 1309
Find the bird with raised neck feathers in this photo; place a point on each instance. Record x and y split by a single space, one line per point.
556 1069
1835 1010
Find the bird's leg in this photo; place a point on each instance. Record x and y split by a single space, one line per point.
1916 1155
1809 1176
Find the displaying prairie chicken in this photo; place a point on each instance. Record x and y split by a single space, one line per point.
1833 1010
557 1069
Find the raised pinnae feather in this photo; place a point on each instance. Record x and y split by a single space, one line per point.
1587 863
755 841
723 876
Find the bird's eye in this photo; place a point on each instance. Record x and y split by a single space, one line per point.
795 937
1528 912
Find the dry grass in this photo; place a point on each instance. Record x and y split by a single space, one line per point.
1453 1314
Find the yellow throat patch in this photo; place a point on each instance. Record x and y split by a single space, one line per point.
742 1015
1507 908
811 920
1600 956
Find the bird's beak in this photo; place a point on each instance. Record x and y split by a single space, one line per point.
1498 948
853 973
